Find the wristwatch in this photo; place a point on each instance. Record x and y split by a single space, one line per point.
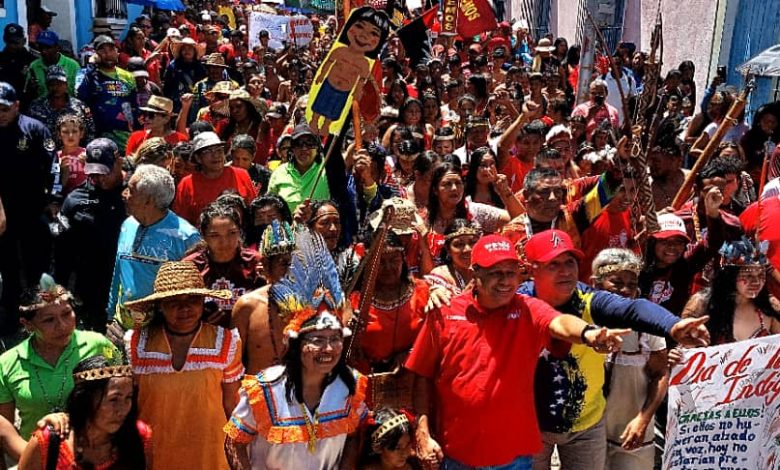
585 330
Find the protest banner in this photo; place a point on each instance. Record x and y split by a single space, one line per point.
723 407
293 29
274 24
449 17
346 70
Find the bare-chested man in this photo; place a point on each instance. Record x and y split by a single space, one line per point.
257 319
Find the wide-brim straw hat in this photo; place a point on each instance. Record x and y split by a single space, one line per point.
176 278
260 105
225 87
176 47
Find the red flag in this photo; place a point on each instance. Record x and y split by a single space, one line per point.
475 17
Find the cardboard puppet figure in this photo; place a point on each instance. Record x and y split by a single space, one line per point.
346 70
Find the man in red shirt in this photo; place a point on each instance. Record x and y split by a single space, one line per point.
480 354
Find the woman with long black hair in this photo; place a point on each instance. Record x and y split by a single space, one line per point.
306 412
105 430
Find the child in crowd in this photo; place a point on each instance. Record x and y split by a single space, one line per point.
72 156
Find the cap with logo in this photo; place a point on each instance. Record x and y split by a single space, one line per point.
101 156
548 245
13 33
7 94
103 40
56 73
47 38
493 249
670 226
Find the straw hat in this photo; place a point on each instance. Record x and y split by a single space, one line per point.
158 105
225 87
260 105
544 45
176 278
404 219
215 60
176 47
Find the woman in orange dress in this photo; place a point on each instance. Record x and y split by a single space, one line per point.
187 371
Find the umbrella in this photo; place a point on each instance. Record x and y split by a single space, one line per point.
766 64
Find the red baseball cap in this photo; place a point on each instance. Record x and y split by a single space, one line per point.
493 249
547 245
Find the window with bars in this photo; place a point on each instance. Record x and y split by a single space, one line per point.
111 9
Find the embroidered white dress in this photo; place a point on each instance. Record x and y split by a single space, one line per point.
277 431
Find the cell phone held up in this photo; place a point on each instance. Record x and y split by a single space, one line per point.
722 72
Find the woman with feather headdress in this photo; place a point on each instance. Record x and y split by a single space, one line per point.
306 412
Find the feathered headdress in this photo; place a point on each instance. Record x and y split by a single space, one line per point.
310 296
47 293
743 252
278 239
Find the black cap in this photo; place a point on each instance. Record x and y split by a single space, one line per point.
7 94
277 111
302 130
101 155
102 40
13 33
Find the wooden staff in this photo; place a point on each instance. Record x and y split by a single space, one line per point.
686 189
372 259
645 191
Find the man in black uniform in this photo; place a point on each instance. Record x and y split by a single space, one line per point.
92 215
25 189
15 59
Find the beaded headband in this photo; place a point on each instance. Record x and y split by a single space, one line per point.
54 295
617 267
278 239
386 427
461 232
103 373
443 137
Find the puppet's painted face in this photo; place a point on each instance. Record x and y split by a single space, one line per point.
364 36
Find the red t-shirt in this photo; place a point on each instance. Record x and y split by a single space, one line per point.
515 171
139 137
483 364
196 192
609 230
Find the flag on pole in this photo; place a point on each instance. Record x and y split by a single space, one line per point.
475 17
414 37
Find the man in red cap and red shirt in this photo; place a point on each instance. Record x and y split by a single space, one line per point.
480 354
568 387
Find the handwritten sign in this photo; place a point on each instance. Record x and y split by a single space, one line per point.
724 407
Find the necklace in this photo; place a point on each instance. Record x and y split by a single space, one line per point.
393 304
57 405
529 231
176 333
311 427
459 281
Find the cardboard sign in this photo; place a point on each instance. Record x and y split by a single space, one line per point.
724 407
346 70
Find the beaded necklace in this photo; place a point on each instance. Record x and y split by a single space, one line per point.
311 427
59 404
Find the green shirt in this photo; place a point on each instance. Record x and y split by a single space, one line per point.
34 386
294 187
38 70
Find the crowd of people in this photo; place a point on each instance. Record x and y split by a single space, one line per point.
194 276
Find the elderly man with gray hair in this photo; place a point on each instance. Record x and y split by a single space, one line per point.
152 235
596 109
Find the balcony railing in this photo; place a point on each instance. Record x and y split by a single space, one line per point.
111 9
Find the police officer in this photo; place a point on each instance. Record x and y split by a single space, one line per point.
15 59
26 191
92 216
